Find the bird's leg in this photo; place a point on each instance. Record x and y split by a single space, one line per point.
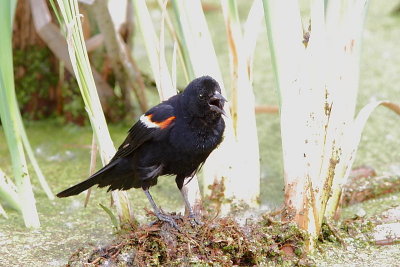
160 215
192 215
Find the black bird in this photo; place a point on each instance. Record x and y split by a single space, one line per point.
174 137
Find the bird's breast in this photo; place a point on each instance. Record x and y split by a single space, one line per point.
183 150
197 138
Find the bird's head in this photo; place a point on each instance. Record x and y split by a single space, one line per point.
203 97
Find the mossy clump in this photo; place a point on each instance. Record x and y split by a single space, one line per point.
218 242
354 232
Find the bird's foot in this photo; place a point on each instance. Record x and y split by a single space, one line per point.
166 218
194 220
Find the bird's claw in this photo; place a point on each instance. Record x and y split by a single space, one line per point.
194 220
166 218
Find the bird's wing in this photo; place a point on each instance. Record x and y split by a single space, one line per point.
151 125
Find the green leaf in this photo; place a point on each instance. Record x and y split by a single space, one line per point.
12 123
8 192
113 219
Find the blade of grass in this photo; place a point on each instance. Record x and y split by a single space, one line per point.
3 212
165 78
13 5
10 117
83 73
181 31
152 44
92 168
79 59
113 219
351 146
173 67
58 16
196 40
8 192
35 164
251 32
32 157
174 34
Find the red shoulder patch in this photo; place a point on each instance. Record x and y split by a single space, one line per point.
165 123
149 122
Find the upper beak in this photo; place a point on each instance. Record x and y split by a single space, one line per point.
218 96
217 103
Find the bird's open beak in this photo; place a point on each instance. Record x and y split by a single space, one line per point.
217 103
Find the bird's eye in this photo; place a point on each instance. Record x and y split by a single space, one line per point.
202 96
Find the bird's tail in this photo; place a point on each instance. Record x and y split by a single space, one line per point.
78 188
97 178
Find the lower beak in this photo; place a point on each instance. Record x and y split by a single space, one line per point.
219 101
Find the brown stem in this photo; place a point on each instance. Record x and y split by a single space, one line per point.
121 61
53 38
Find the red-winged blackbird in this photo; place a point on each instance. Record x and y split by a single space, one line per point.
173 138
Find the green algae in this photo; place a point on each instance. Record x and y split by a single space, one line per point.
63 154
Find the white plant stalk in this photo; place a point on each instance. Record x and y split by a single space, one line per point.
83 73
242 47
318 85
284 35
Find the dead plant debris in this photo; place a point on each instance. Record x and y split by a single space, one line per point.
363 184
219 242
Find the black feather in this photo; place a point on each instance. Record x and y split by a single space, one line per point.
96 178
173 138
